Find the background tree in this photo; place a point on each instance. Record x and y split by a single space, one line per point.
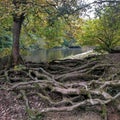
104 30
109 27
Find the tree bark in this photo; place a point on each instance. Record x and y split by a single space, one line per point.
17 25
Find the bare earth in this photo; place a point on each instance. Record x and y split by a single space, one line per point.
73 116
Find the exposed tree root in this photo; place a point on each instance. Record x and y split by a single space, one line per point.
67 85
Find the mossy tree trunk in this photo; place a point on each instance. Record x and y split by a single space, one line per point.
18 18
17 25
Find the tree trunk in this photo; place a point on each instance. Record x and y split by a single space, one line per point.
17 24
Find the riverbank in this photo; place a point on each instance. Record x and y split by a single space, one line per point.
70 89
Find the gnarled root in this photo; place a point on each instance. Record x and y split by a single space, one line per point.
76 84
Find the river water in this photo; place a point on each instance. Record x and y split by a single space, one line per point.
47 55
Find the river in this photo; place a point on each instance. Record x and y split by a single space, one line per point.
47 55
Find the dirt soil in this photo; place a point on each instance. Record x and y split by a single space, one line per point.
12 104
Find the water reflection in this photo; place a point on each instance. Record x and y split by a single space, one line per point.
46 55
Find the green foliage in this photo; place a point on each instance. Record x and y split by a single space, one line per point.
5 41
5 52
45 26
109 29
54 33
103 32
42 34
88 33
5 33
